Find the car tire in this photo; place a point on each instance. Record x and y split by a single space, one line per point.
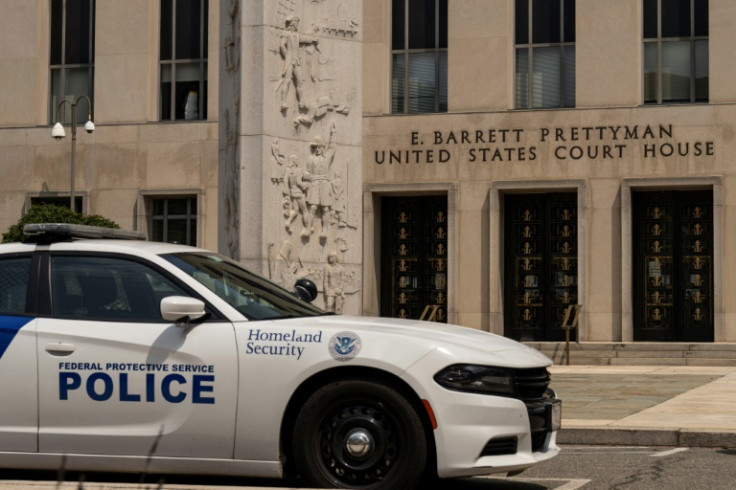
359 434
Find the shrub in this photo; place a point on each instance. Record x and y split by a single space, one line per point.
48 213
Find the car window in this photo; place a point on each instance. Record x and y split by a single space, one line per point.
108 288
252 295
14 284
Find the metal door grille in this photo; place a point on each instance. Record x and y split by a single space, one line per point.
414 248
673 286
541 264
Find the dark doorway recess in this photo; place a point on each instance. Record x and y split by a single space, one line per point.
673 266
540 265
414 257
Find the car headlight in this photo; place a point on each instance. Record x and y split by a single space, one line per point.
477 379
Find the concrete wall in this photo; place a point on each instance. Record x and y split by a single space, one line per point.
132 155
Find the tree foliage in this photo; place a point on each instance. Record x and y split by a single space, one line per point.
48 213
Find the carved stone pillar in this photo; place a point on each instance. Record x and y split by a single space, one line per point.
290 142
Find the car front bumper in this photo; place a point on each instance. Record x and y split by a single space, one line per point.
481 434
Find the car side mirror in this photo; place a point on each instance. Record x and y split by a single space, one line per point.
306 290
178 308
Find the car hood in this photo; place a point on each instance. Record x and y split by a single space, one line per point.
462 343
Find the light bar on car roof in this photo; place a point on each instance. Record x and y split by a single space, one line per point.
67 231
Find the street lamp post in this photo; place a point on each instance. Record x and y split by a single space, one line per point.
58 132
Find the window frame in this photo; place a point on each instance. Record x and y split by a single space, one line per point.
564 61
692 40
28 308
405 52
172 63
214 315
63 67
191 218
56 199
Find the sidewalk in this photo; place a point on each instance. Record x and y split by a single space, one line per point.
647 405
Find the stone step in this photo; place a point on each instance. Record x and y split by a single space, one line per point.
648 361
640 353
709 354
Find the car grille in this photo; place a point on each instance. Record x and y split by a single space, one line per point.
531 384
500 446
531 387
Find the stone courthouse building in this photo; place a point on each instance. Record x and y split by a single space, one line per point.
482 162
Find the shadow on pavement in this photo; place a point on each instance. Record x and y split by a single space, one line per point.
160 482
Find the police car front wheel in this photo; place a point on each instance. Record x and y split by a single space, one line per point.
359 434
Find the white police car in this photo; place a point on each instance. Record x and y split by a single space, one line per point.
128 355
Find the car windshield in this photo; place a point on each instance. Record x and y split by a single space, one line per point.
254 296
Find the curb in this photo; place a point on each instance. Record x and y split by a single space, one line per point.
51 485
604 436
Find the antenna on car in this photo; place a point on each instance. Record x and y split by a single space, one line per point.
50 232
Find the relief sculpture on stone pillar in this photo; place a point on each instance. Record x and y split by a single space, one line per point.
334 284
319 192
313 197
296 186
232 39
313 94
341 24
338 200
294 183
290 50
301 59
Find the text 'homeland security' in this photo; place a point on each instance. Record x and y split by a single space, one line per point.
280 343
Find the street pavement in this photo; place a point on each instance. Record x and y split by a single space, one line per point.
647 405
683 406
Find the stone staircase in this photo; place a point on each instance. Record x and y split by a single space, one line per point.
640 353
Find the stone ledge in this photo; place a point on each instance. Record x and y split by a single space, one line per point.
648 361
702 361
641 353
708 354
643 437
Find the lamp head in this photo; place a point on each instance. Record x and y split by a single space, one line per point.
58 131
89 126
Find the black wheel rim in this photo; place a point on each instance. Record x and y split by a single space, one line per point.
359 445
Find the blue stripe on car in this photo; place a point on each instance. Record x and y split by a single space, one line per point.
9 326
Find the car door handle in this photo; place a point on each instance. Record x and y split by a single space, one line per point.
60 349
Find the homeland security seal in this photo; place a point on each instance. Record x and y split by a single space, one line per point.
344 346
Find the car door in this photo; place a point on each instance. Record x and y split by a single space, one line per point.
114 378
19 413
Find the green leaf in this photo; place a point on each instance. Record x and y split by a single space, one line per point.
48 213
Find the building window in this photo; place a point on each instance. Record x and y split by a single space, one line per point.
183 59
174 220
545 53
675 51
60 201
419 56
72 52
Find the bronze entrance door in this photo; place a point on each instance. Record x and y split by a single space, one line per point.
540 264
414 257
673 266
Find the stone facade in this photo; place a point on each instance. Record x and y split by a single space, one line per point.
483 150
131 156
299 150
